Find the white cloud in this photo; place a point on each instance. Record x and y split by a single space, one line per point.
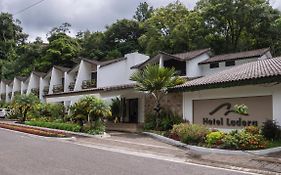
82 14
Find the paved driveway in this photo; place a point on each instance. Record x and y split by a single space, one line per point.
23 154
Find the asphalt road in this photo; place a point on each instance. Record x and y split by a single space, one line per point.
22 154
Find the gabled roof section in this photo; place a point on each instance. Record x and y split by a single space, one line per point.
96 62
236 56
21 78
106 63
257 72
63 69
6 81
39 74
179 56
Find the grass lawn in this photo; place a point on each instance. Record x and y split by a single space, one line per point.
275 143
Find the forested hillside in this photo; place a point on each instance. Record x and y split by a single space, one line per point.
223 25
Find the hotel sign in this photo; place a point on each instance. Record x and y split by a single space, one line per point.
220 113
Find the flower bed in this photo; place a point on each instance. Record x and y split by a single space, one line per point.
40 132
249 138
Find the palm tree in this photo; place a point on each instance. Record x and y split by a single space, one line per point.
22 104
156 81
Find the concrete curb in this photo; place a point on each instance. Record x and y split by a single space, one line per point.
203 150
105 135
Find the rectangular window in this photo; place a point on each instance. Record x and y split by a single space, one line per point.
229 63
94 76
214 65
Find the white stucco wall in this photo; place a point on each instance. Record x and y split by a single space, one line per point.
42 83
2 89
16 86
206 67
56 79
119 73
243 91
192 67
8 90
84 73
24 85
34 82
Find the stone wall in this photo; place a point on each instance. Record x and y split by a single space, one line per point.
172 102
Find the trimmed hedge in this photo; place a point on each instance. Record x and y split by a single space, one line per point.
55 125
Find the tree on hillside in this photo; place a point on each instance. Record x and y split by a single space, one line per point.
123 35
11 37
156 81
143 12
160 26
61 50
92 44
235 25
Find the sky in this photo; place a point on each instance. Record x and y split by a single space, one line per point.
83 15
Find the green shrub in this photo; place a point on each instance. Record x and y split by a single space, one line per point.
167 120
97 127
115 109
55 125
48 111
190 133
214 138
245 140
271 130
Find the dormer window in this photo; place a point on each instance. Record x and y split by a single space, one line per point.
214 65
230 63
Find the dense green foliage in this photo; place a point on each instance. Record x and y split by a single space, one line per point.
248 138
55 125
90 112
156 80
190 133
167 120
271 130
22 104
225 26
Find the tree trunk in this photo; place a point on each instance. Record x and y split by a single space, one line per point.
157 110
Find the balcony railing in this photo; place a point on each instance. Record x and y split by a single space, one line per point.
57 88
46 90
71 86
87 84
35 91
3 96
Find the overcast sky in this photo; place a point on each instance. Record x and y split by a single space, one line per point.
93 15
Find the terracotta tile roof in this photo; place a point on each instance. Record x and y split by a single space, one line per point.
236 56
179 56
262 71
